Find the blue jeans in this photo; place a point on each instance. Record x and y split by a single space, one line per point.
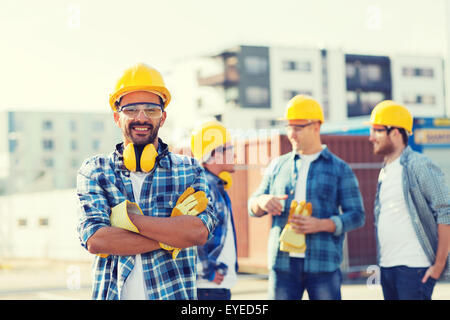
213 294
404 283
291 284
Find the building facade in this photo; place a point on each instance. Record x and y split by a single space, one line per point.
42 151
247 87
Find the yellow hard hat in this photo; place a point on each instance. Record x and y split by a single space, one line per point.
139 77
391 114
207 137
303 107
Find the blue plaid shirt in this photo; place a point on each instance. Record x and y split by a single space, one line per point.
104 182
210 251
331 187
428 200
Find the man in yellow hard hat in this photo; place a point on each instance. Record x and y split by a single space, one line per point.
142 209
211 146
314 178
412 209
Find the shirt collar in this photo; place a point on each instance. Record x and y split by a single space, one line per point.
405 155
213 179
325 153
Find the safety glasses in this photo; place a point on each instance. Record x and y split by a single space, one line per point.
380 130
299 127
151 110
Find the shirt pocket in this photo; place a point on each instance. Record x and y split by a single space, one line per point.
164 204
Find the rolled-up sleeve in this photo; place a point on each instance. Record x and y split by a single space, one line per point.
352 209
209 217
93 208
264 186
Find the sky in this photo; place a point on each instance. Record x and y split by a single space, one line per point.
65 55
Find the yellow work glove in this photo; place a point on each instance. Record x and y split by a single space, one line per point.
189 203
291 241
119 218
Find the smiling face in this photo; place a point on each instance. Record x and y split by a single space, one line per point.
140 130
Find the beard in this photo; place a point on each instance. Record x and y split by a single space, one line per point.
384 149
143 138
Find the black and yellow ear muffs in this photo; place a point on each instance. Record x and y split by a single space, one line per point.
139 157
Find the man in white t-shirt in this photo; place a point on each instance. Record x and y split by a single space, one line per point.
412 210
217 263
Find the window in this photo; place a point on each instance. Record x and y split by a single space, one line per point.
257 95
199 103
289 65
43 222
418 72
96 145
265 123
350 70
73 145
48 163
419 99
98 126
255 64
372 72
361 103
352 97
22 222
288 94
48 144
304 66
47 125
73 125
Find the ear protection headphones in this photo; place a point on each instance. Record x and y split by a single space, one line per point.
226 177
139 157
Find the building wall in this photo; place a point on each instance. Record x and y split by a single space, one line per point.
41 225
418 83
47 148
337 99
347 85
294 71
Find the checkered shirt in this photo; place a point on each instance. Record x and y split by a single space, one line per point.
104 182
332 188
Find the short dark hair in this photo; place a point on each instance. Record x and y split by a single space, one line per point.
404 134
402 131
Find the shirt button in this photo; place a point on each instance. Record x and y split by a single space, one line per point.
170 203
292 191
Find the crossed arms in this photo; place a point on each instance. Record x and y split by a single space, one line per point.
180 232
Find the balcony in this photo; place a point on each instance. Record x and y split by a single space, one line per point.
230 77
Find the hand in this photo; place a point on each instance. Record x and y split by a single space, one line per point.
218 278
433 272
271 204
190 203
120 215
306 225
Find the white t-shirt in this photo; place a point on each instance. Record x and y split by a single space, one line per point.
228 257
300 186
134 287
399 244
